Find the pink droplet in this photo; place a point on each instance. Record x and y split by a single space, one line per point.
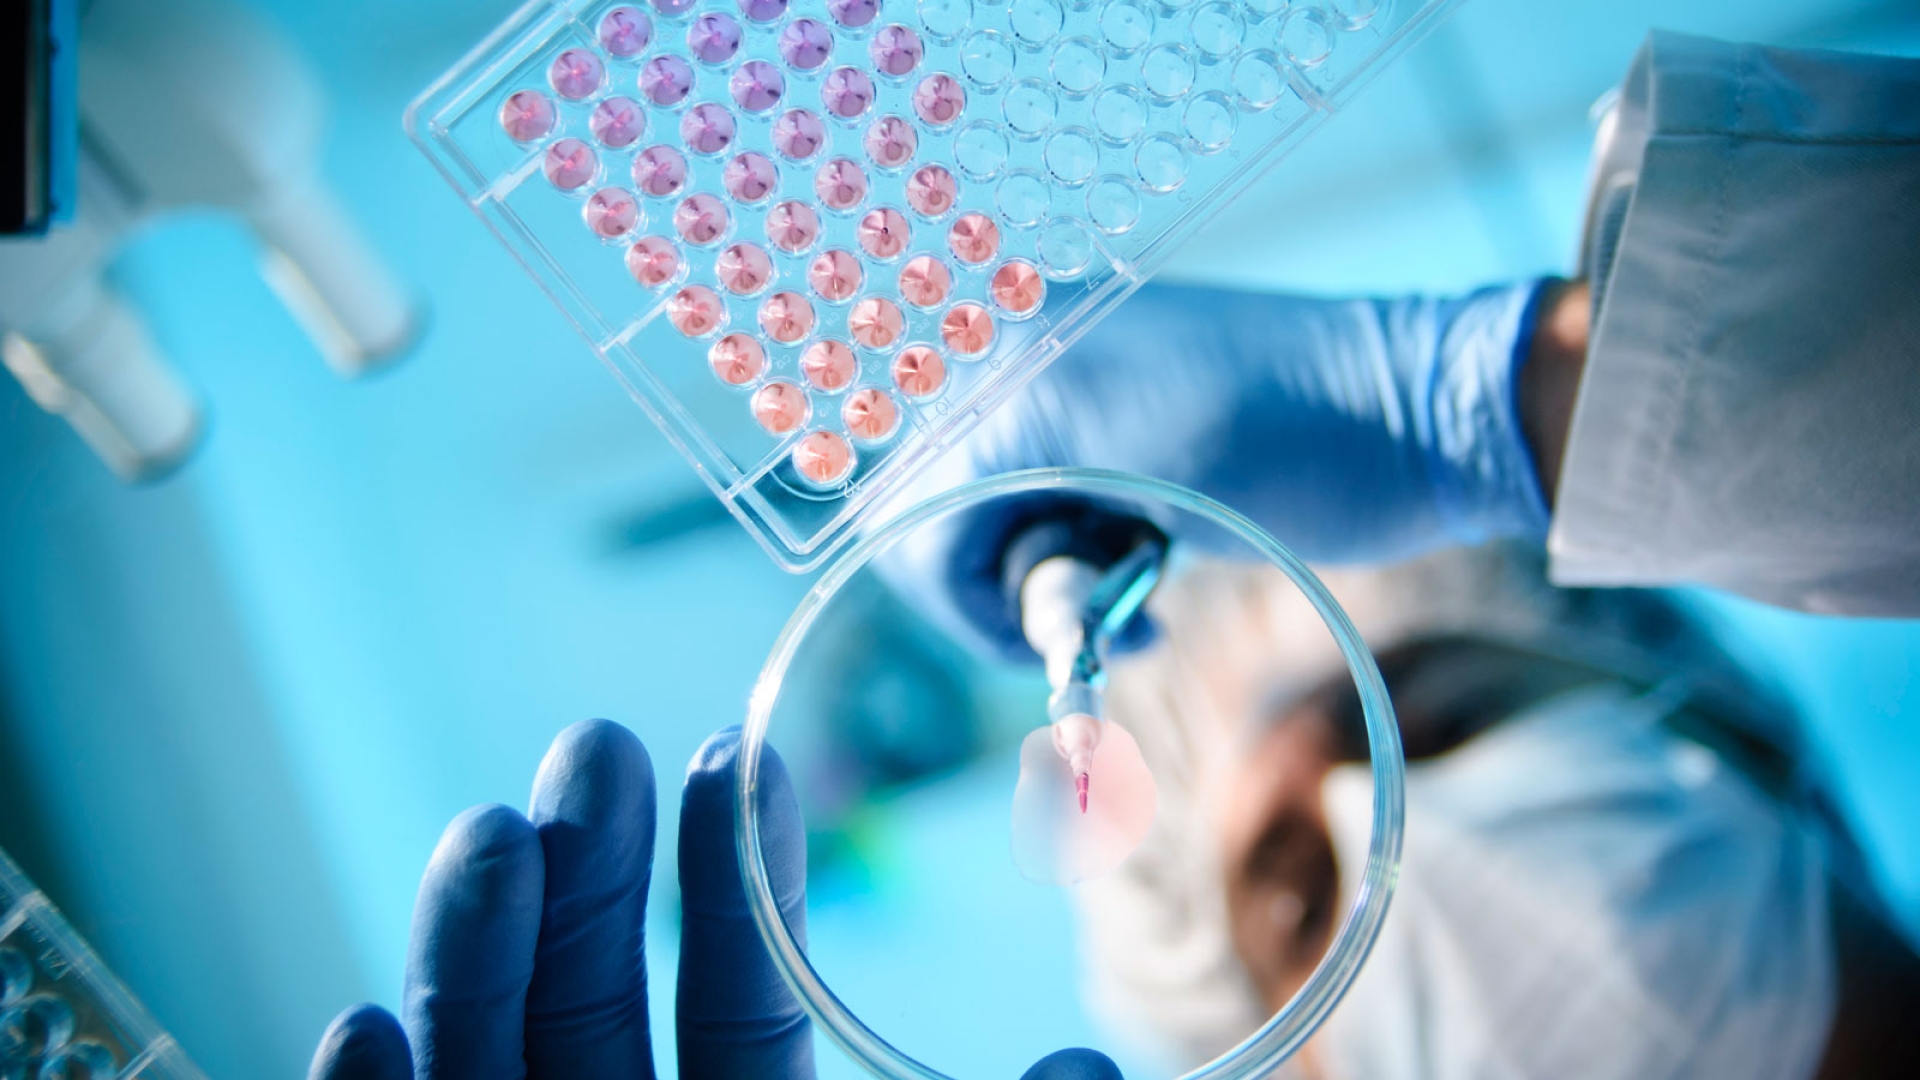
884 232
743 269
974 239
611 213
756 86
925 281
660 171
853 14
919 372
749 177
896 50
576 73
671 8
875 323
870 414
780 406
1055 840
707 128
569 164
786 317
792 227
763 11
625 32
931 190
841 184
798 134
805 44
846 92
653 261
714 38
967 329
617 122
939 99
1017 287
700 219
891 142
835 275
696 311
823 457
829 365
666 80
737 359
526 115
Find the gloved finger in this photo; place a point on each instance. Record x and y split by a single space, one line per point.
593 805
470 955
363 1043
735 1016
1073 1065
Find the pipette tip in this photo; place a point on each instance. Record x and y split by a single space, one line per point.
1080 784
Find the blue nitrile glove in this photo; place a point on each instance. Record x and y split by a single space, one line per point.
1352 430
526 953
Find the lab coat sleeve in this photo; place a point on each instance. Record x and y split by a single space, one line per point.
1750 413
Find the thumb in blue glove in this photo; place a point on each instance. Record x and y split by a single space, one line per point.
526 954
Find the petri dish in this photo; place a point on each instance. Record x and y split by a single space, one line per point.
848 584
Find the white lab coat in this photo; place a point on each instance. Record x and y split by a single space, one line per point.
1750 413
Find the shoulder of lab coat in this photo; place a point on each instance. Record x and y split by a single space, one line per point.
1750 413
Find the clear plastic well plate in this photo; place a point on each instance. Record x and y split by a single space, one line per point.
819 239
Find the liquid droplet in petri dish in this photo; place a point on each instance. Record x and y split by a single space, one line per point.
763 11
853 14
780 407
737 359
792 227
870 415
919 372
707 128
847 92
974 239
875 323
666 80
618 122
653 261
744 269
823 458
701 219
1055 840
696 311
749 177
891 142
1017 288
896 50
835 275
756 86
786 317
611 213
575 74
939 99
714 38
660 171
625 32
841 184
569 164
805 44
798 134
931 191
967 329
526 115
884 233
829 365
925 281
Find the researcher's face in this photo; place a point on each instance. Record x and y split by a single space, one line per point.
1281 877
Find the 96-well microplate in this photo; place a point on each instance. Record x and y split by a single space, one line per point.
819 239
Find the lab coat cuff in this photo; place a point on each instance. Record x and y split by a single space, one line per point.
1487 485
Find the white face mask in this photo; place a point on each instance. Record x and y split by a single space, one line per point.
1585 895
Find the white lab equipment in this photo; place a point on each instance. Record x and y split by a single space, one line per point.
194 103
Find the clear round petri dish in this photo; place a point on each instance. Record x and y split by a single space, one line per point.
1363 897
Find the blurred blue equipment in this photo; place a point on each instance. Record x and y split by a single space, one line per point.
63 1015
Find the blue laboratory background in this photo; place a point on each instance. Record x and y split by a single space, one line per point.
239 705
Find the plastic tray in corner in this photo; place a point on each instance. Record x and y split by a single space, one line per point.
818 240
62 1013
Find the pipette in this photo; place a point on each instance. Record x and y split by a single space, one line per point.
1085 798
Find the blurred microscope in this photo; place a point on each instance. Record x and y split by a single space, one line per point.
127 109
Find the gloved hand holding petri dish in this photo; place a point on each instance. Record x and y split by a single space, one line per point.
980 824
